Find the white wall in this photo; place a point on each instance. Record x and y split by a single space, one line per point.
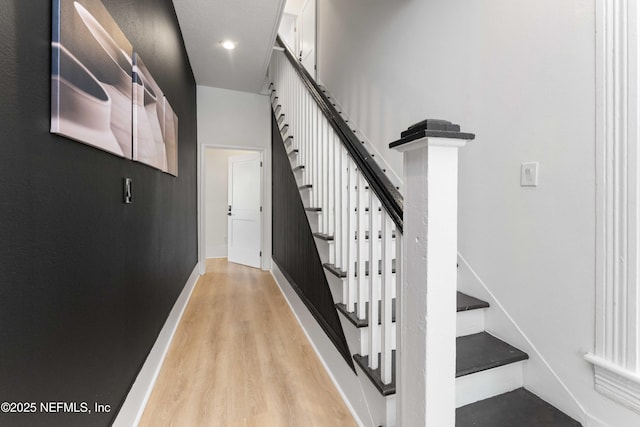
236 120
519 74
294 7
216 199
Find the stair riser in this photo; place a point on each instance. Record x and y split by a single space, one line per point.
470 322
358 338
313 219
489 383
335 284
338 286
305 195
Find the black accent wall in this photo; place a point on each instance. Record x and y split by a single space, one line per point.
86 282
294 250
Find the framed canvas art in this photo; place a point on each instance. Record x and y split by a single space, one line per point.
91 77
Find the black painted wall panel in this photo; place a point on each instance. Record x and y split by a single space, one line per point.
294 249
86 282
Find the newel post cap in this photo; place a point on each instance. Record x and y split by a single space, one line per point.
431 132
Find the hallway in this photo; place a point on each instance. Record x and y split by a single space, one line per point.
240 358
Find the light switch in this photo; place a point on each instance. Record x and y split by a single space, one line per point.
529 174
128 195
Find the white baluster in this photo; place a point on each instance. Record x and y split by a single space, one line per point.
362 248
386 295
316 157
309 141
305 138
331 189
374 280
337 205
325 174
344 211
351 218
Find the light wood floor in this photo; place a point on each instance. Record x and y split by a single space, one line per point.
239 358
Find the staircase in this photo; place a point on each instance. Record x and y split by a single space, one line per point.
354 209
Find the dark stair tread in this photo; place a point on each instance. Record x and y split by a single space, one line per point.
294 151
278 108
517 408
363 323
298 168
288 139
282 129
374 375
335 271
313 209
305 187
467 302
323 236
482 351
280 118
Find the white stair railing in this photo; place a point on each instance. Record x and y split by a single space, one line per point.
359 212
363 233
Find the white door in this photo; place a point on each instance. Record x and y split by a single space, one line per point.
244 216
307 34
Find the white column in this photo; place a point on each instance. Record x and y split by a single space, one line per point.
616 357
427 311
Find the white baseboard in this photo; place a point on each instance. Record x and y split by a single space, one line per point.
343 377
133 407
216 251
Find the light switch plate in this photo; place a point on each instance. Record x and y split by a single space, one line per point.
529 174
128 194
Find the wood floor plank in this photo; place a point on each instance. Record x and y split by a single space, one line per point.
239 358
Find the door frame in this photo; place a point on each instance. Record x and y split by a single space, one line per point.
266 211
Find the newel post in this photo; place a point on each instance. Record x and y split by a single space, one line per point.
427 297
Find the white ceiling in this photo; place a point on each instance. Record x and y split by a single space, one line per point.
252 24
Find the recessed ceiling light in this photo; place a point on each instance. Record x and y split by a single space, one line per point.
228 44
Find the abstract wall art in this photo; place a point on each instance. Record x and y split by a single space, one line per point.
155 125
102 94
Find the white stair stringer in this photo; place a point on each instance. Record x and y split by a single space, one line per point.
382 408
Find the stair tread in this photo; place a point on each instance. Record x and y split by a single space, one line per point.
313 209
467 302
323 236
463 299
374 374
474 353
516 408
294 151
482 351
305 187
363 323
298 168
335 270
